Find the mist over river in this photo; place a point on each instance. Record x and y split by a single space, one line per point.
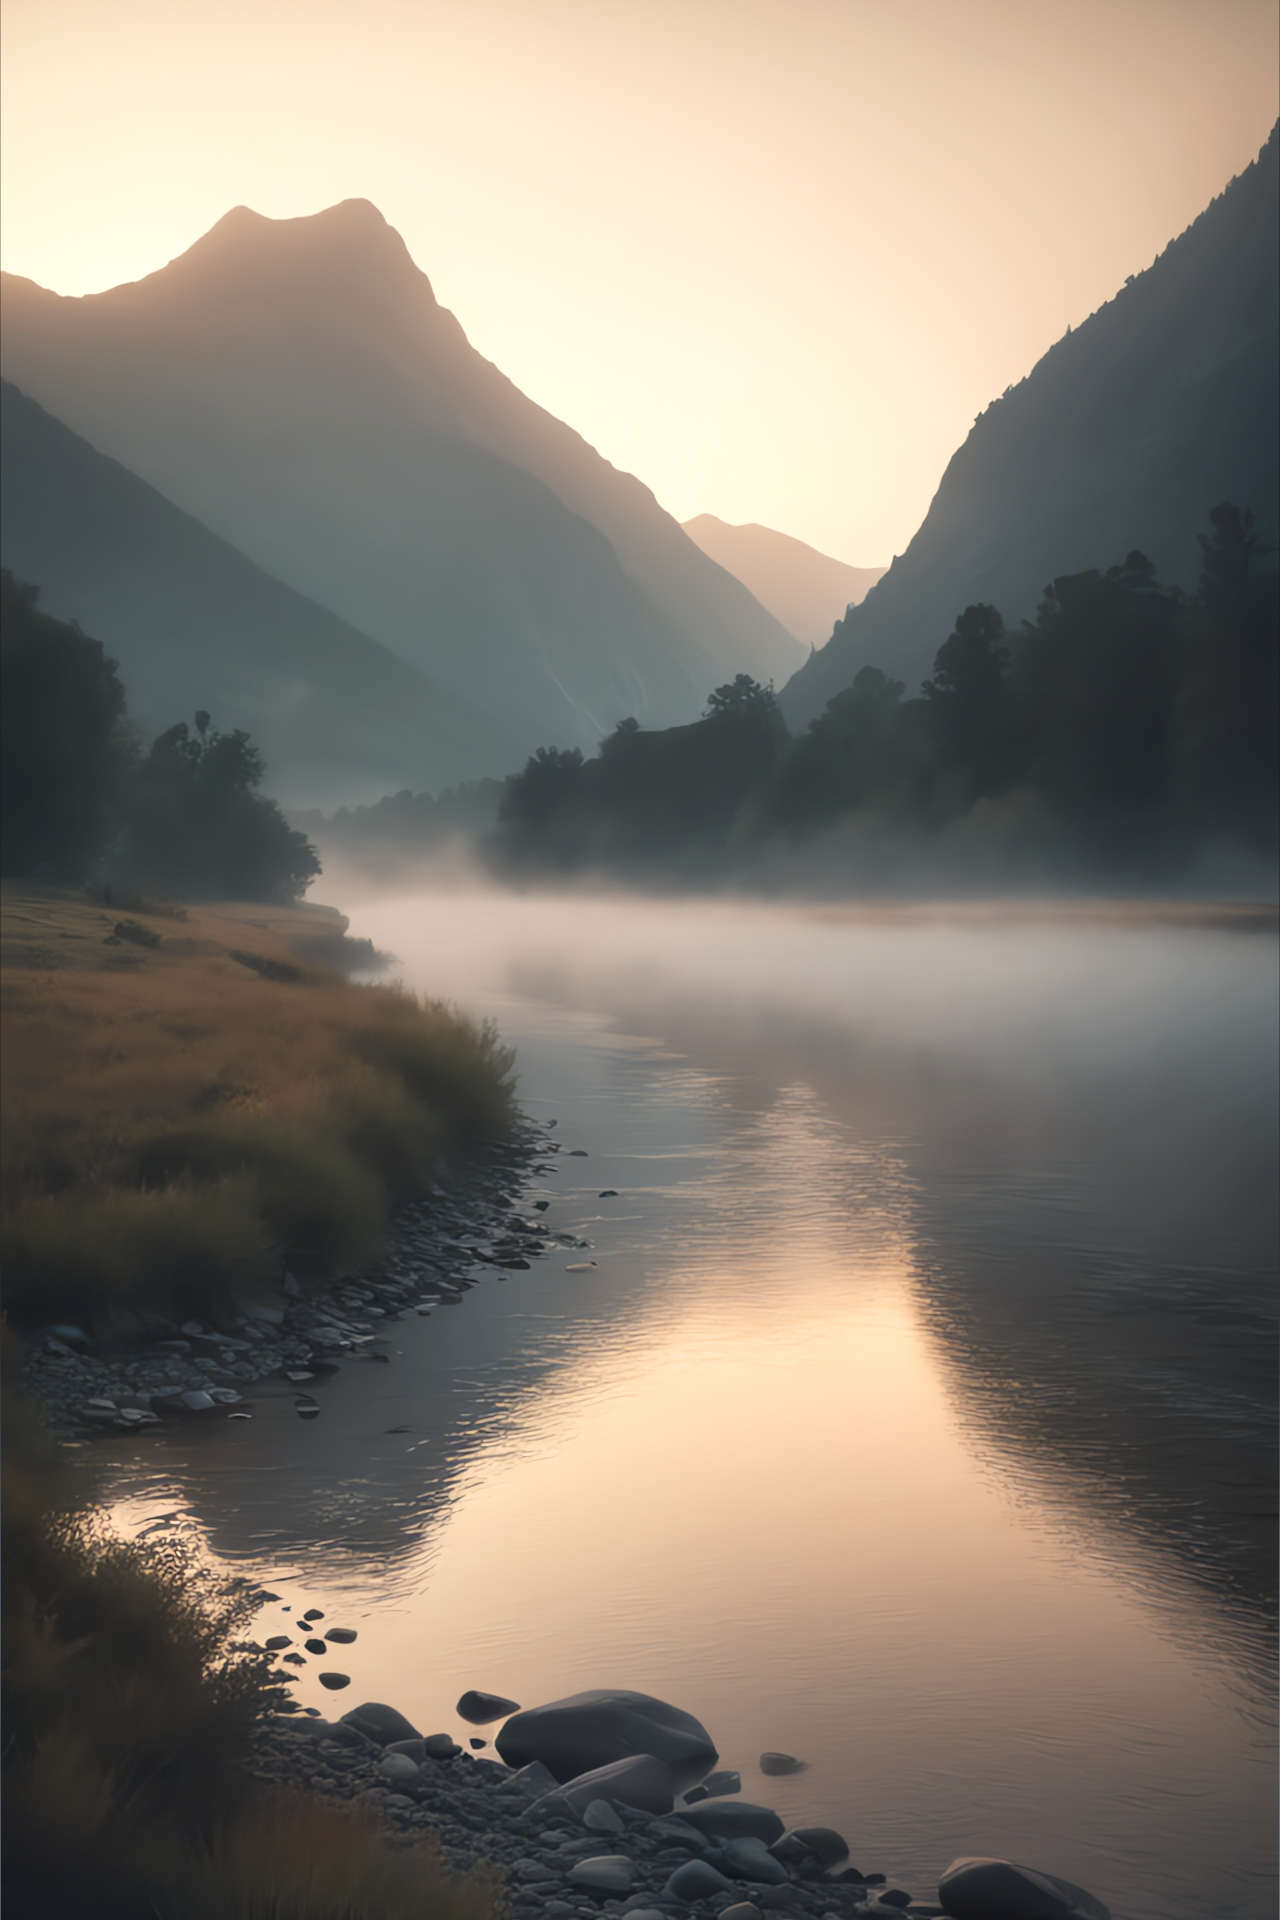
916 1415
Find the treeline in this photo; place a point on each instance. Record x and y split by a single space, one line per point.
391 837
81 798
1127 728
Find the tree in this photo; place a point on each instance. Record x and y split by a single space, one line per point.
64 753
196 823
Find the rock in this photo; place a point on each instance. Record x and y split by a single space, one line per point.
577 1153
298 1375
639 1781
734 1820
230 1416
604 1873
678 1833
719 1783
334 1681
480 1708
981 1889
307 1412
277 1641
341 1636
750 1859
894 1897
476 1742
193 1400
316 1646
295 1660
695 1794
440 1746
822 1844
70 1335
380 1723
314 1613
696 1880
104 1416
599 1817
397 1766
778 1763
533 1780
588 1730
607 1193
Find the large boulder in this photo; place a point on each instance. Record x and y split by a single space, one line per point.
640 1781
734 1820
592 1729
380 1723
1000 1890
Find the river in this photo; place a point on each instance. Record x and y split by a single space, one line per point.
916 1415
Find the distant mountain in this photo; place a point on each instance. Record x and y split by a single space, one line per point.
806 590
296 385
1162 404
194 624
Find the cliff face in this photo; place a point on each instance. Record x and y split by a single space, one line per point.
806 590
1124 435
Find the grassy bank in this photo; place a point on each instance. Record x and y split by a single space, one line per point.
129 1707
193 1105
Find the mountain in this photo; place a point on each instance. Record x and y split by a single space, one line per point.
1159 406
295 385
806 590
195 624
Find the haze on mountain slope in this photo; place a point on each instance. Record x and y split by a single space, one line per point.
806 590
295 384
193 624
1125 434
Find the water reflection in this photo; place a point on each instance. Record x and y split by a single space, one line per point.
915 1418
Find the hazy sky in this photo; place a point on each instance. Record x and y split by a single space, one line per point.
771 255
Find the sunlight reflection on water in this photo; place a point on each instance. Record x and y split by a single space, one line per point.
889 1428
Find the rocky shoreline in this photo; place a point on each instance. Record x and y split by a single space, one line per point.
158 1369
570 1848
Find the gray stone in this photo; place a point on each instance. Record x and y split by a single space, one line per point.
480 1708
379 1723
277 1641
822 1844
696 1880
779 1763
605 1873
316 1646
640 1781
750 1859
734 1820
591 1729
533 1780
440 1746
719 1783
397 1766
599 1817
981 1889
341 1636
678 1832
895 1898
334 1681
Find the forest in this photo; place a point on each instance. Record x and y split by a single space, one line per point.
1125 732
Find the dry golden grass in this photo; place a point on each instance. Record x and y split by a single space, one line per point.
128 1714
178 1123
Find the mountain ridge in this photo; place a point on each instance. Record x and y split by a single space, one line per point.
194 623
297 386
804 588
1124 434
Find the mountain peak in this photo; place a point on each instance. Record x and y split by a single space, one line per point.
349 239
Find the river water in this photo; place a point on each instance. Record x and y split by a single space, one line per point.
916 1417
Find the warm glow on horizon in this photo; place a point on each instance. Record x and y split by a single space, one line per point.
773 258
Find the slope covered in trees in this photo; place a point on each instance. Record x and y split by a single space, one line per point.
1164 399
193 623
295 384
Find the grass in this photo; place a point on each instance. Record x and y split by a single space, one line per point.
187 1115
130 1701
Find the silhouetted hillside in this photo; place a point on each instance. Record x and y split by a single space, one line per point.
194 624
807 590
295 384
1166 398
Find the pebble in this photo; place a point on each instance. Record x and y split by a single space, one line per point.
341 1636
334 1681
